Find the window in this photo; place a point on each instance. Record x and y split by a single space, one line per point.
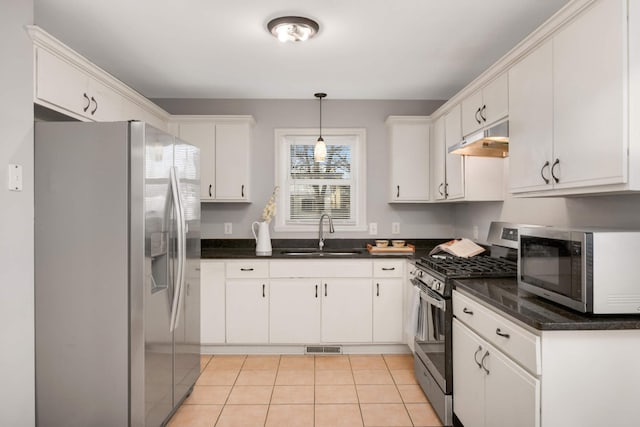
308 188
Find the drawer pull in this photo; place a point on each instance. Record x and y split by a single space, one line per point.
475 356
246 269
502 334
467 311
388 268
482 362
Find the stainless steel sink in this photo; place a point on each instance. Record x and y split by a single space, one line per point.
318 253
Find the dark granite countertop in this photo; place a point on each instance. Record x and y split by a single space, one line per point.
246 248
504 295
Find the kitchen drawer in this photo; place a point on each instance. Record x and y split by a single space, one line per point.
247 269
388 268
321 268
513 340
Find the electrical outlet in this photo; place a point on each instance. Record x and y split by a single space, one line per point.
395 228
475 232
373 228
228 228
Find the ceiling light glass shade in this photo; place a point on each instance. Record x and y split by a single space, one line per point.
293 28
320 151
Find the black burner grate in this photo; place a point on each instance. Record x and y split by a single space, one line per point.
478 266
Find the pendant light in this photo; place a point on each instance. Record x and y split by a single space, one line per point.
320 149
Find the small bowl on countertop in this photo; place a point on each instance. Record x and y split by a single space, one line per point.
382 243
397 243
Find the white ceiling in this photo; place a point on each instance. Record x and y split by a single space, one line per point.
366 49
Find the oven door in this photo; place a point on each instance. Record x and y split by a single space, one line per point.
431 337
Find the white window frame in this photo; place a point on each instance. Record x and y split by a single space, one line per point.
358 169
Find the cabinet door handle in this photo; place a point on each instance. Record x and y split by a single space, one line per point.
467 311
86 107
388 268
246 269
446 190
210 190
316 291
440 188
477 114
502 334
546 165
377 289
398 191
483 116
242 190
263 289
475 356
553 170
325 289
96 106
482 362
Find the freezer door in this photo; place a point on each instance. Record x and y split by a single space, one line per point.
187 333
160 263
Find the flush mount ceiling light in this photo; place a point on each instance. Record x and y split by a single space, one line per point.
293 28
320 149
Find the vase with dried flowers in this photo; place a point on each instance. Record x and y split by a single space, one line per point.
263 239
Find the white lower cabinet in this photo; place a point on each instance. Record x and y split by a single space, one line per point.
247 311
346 310
388 301
212 302
249 301
294 311
489 389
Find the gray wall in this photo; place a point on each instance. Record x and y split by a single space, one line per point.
616 211
16 217
418 221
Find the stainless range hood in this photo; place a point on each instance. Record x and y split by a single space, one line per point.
491 142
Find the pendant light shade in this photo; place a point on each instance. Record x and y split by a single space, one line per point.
320 149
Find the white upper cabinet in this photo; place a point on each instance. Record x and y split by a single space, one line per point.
66 82
462 178
202 135
454 164
531 121
569 123
409 155
589 84
225 154
486 106
447 169
438 154
233 143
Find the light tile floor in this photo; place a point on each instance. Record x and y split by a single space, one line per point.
306 391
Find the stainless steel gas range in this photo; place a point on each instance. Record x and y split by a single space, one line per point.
433 277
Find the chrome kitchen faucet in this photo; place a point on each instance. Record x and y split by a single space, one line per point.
321 229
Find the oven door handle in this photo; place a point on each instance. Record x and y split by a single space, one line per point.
432 299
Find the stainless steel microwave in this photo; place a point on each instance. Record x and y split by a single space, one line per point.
589 270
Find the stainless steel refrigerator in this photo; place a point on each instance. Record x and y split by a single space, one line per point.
117 273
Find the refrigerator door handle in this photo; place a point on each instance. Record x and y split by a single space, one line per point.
177 290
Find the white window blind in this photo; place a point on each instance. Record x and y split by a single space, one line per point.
310 188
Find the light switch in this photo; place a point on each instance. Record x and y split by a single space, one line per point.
373 228
395 228
228 228
15 177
